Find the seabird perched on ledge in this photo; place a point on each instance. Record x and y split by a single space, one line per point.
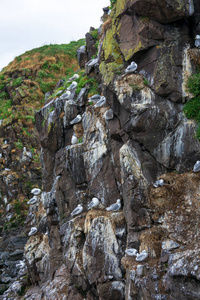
197 41
72 86
114 207
101 102
32 231
95 98
76 120
158 183
77 210
75 76
33 200
35 191
131 68
93 203
131 252
74 139
142 256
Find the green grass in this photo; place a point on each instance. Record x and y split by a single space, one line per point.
112 2
18 81
192 107
52 50
4 106
92 84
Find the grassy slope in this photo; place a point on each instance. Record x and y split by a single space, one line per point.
23 84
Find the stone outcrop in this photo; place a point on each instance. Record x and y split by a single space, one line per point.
146 137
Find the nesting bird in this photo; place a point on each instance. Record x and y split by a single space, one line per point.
114 207
93 203
66 95
196 167
74 139
72 86
35 191
95 98
21 264
77 210
33 200
158 183
75 76
101 102
142 256
32 231
131 68
131 252
197 41
76 120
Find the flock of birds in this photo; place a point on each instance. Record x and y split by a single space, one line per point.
94 203
36 192
98 100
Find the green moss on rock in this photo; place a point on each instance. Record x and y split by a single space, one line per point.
108 70
120 7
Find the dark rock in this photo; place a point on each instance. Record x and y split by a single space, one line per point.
169 11
90 45
82 56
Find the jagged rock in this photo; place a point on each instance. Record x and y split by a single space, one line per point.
169 11
169 245
70 109
146 136
90 45
82 56
96 157
101 239
37 258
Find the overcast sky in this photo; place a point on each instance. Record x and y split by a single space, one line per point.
28 24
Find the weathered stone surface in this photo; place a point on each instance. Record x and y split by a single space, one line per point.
120 158
97 162
90 45
82 56
100 255
164 11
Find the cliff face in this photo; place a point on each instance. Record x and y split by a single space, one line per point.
138 136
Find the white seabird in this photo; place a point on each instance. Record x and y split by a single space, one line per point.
158 183
21 264
142 256
197 41
131 68
32 231
196 167
77 210
114 207
101 102
75 76
131 252
93 203
76 120
66 95
33 200
95 98
72 86
35 191
74 139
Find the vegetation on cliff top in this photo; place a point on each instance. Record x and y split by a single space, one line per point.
23 84
192 107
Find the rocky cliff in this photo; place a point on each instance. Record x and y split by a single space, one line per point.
135 145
